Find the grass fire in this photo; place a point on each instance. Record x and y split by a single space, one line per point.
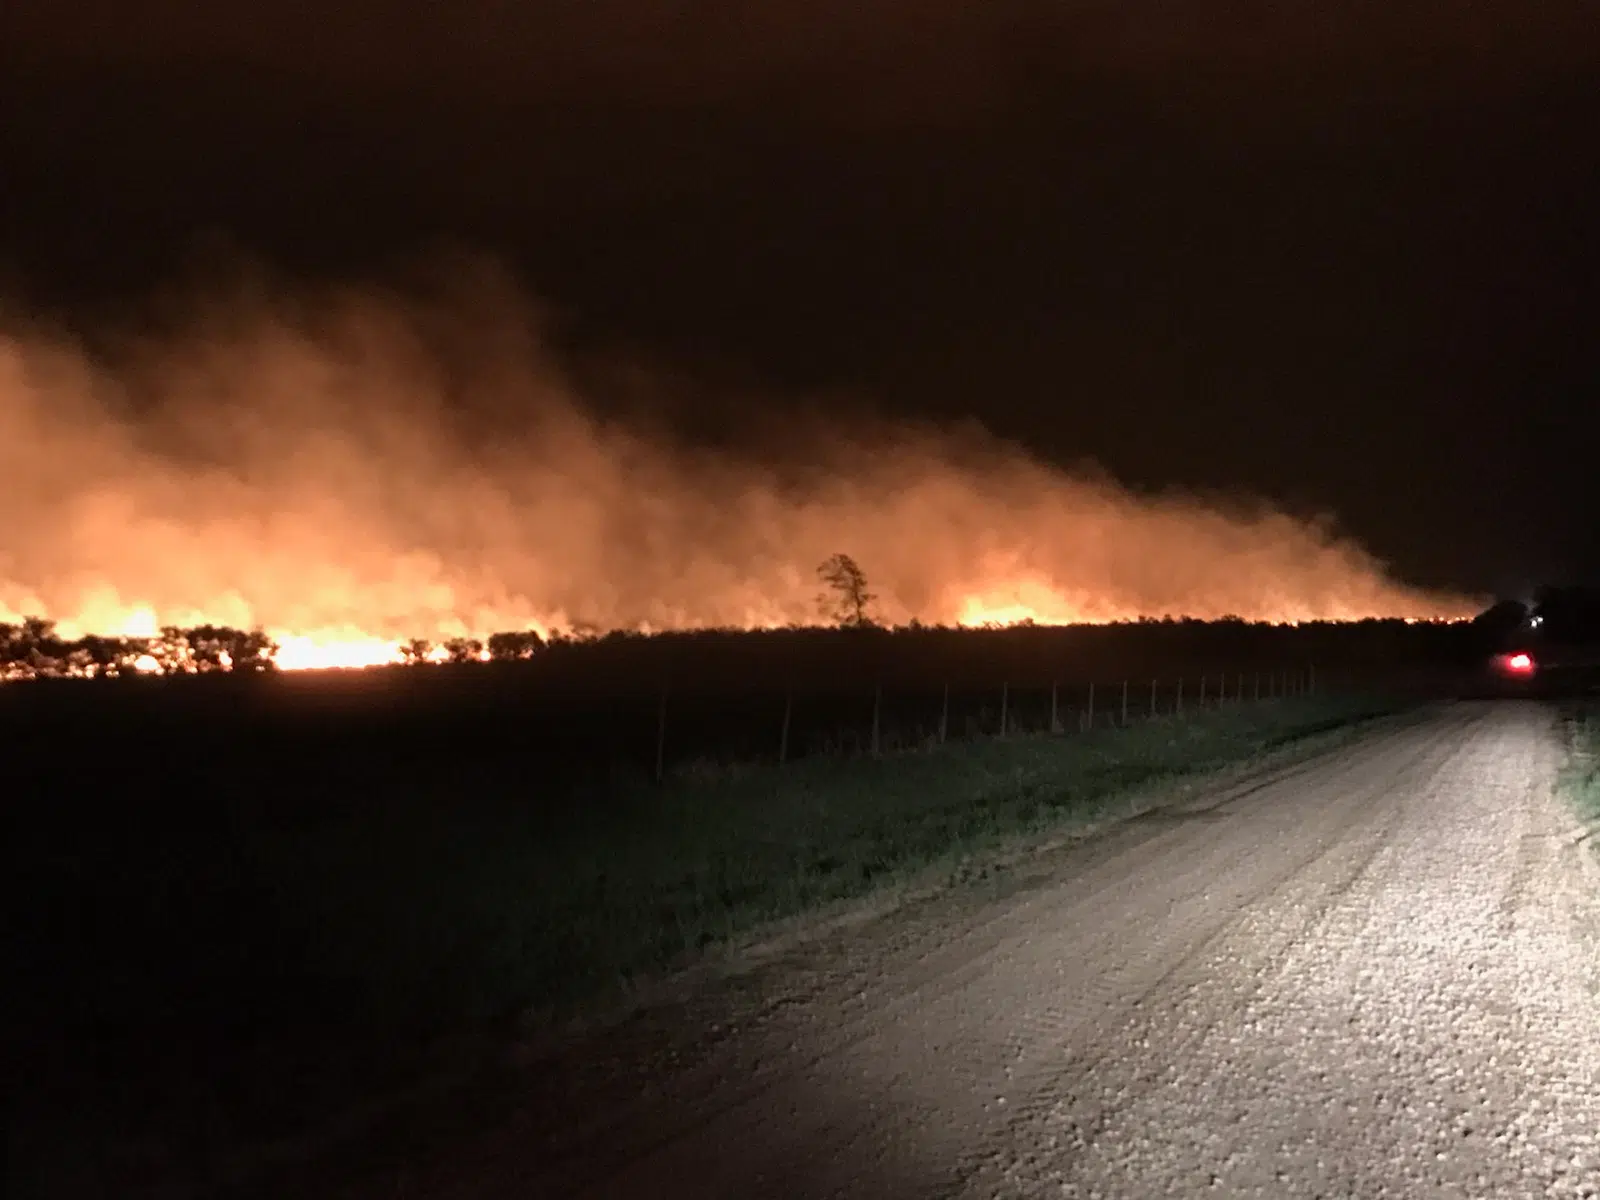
347 471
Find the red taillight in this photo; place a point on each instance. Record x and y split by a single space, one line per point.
1520 662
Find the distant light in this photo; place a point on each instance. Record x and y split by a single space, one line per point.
1520 662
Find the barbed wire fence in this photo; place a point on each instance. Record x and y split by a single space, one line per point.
883 721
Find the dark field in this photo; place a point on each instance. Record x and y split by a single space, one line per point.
247 900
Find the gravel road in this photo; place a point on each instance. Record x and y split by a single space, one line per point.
1371 974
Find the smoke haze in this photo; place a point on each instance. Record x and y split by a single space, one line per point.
352 463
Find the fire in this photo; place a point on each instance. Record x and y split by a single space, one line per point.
347 474
975 615
348 650
299 652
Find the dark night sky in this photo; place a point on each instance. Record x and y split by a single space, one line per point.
1344 255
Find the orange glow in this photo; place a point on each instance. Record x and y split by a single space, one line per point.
347 473
299 652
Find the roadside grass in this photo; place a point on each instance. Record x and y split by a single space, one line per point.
1580 775
441 914
291 967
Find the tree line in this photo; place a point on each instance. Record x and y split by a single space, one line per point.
34 649
850 642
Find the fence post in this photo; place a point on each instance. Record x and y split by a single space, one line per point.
1178 704
1241 685
1005 698
1202 700
661 734
1124 701
1090 723
877 703
1055 725
1311 679
944 715
1152 699
1258 686
783 737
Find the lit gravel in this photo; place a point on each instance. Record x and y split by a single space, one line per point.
1430 1032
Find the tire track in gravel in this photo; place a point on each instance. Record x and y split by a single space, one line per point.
1092 877
1042 1079
1322 879
1418 1045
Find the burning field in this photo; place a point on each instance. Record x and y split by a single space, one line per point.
361 477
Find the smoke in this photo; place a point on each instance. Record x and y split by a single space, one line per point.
351 463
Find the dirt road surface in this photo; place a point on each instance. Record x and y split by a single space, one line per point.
1372 974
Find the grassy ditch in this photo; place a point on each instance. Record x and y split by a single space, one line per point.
1580 776
187 967
441 914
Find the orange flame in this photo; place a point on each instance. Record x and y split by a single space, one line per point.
299 652
346 473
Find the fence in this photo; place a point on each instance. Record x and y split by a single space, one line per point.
791 723
581 725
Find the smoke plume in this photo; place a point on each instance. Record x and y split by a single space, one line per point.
351 465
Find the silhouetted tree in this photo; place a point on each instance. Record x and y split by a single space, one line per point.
253 651
847 598
37 649
1495 627
93 656
209 647
12 659
416 650
505 647
171 651
221 647
463 650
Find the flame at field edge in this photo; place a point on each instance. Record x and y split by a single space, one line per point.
352 650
